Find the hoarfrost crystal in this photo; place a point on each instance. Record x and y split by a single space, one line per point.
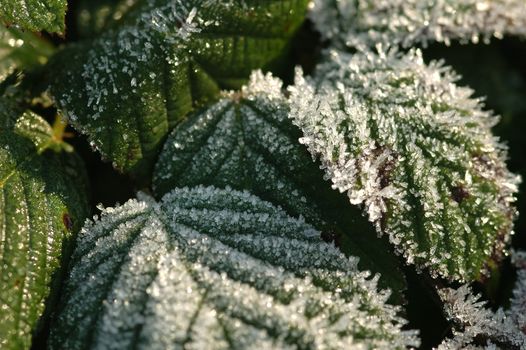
472 320
218 269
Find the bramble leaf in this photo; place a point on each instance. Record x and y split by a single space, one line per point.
412 22
217 269
34 15
417 151
129 87
42 204
247 141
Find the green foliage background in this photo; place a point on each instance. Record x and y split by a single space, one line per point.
496 71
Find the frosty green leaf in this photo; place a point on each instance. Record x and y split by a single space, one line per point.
217 269
247 141
410 22
129 87
417 151
34 15
42 203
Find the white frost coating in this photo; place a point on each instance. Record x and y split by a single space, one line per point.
218 269
471 319
401 138
263 84
410 22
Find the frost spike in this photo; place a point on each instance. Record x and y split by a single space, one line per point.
473 321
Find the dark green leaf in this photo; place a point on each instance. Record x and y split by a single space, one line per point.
130 86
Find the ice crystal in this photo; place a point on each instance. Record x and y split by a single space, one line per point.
218 269
410 22
401 138
472 321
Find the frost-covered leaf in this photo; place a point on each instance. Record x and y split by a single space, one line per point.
129 87
247 141
217 269
21 50
403 140
42 203
410 22
34 15
474 324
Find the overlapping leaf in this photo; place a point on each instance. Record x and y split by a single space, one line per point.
217 269
34 15
413 22
129 87
247 141
403 140
42 203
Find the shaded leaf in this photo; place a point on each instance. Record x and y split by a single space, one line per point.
35 15
247 141
217 269
129 87
42 204
403 140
